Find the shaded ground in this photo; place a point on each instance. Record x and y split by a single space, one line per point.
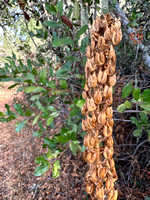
18 151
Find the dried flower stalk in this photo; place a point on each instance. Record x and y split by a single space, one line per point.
97 111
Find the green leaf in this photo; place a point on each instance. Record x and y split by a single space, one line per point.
50 143
59 7
76 10
35 97
29 89
41 126
12 86
84 44
40 159
41 169
62 41
80 103
28 113
43 75
63 84
73 148
145 106
29 64
14 56
49 154
62 139
51 9
36 119
135 121
53 24
121 108
21 125
127 104
55 169
146 95
136 93
50 120
147 198
2 114
143 118
134 23
37 134
137 132
81 31
127 90
18 108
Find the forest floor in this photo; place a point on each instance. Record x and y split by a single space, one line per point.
18 151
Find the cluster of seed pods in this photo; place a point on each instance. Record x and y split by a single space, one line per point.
97 111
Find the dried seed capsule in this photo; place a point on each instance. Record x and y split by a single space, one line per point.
84 95
110 67
90 187
108 152
90 104
84 109
102 173
94 176
89 52
109 184
110 122
110 163
100 193
109 101
102 76
101 42
115 195
83 125
109 141
107 91
99 58
97 97
84 155
110 194
111 52
86 88
102 118
92 80
117 37
108 34
112 80
109 112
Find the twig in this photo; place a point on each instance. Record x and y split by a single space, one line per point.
128 111
123 120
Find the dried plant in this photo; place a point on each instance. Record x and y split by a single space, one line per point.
97 111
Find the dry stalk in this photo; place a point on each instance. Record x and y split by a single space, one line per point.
97 111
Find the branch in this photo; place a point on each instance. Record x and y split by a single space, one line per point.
130 30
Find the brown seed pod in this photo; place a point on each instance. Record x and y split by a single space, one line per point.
93 43
97 97
109 141
100 193
102 118
94 176
110 122
111 52
102 173
117 37
84 95
86 88
84 155
90 104
111 68
109 112
109 101
108 152
110 163
108 34
84 109
67 21
115 195
101 43
102 76
90 187
89 52
108 90
109 184
112 80
99 58
83 125
92 80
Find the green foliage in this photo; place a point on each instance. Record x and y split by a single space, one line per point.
141 99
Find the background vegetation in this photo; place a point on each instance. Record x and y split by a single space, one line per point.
42 53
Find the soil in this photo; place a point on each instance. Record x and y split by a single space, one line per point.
18 152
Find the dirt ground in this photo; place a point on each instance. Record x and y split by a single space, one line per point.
18 151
